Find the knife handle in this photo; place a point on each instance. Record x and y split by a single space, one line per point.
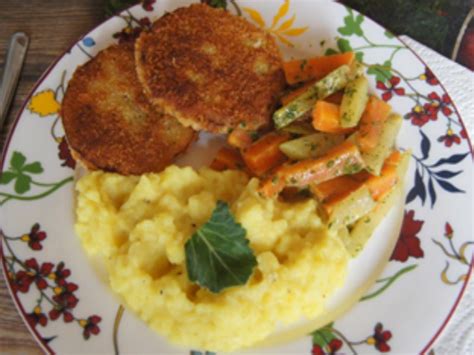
11 72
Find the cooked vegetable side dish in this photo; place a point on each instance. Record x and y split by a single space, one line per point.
218 257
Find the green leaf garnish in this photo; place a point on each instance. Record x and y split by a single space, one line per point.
218 255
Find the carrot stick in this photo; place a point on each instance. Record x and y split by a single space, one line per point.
286 99
326 118
227 158
379 186
339 186
371 123
341 160
265 153
362 176
240 138
394 158
314 68
272 186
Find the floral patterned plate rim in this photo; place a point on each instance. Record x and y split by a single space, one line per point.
56 294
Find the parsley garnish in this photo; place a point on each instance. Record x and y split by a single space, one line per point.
218 255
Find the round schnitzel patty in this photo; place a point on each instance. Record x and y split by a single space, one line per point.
211 70
110 123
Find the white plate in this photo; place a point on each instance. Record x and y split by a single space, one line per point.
403 312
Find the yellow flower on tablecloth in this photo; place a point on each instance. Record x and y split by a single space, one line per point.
44 103
281 30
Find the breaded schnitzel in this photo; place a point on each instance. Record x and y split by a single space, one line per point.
211 70
109 122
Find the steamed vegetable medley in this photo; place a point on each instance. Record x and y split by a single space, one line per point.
332 140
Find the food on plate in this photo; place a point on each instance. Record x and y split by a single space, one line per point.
371 124
264 154
354 100
312 145
303 70
217 258
139 226
326 118
302 104
343 159
211 70
110 124
227 158
375 157
337 141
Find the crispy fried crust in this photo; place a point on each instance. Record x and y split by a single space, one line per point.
109 122
211 70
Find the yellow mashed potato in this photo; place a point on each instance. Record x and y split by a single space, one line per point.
139 225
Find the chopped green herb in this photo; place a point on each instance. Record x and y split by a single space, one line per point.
254 135
330 164
306 192
352 168
303 64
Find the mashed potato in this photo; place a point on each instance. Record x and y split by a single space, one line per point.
139 225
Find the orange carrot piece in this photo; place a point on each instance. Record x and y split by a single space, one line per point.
334 200
379 186
272 186
240 138
341 160
371 123
265 153
314 68
362 176
335 98
326 118
394 158
339 186
227 158
286 99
